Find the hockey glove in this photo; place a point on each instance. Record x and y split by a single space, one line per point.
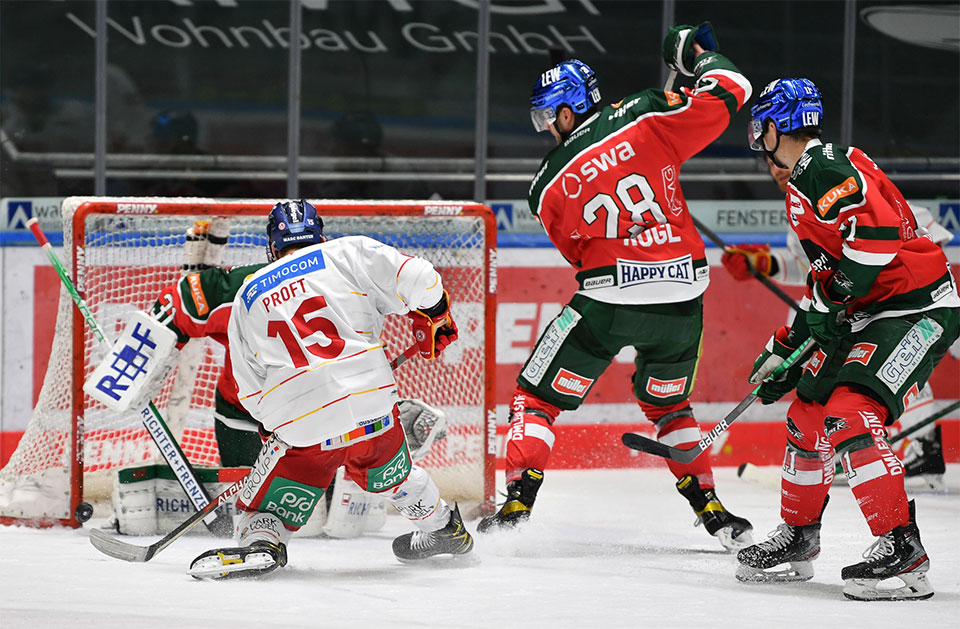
771 391
678 45
827 314
778 348
740 259
433 328
783 343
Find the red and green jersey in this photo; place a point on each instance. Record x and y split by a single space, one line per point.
201 308
854 224
609 197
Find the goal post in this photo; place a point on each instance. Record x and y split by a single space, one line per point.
121 252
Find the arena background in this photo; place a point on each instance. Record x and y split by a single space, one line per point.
399 99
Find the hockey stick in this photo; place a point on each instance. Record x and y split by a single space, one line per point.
220 524
651 446
923 423
110 545
709 233
764 478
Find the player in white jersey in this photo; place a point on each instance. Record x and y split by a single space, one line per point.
304 333
923 456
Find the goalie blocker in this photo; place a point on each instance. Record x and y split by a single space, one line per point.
137 365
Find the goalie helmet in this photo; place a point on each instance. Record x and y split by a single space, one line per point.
791 104
292 224
570 83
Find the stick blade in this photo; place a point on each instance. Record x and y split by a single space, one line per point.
650 446
109 545
644 444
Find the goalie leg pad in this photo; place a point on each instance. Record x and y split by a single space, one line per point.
352 510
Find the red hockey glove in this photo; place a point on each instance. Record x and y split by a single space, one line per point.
434 328
739 259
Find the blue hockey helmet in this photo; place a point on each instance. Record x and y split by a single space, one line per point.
292 223
791 104
570 83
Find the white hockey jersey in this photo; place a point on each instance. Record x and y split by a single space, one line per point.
305 338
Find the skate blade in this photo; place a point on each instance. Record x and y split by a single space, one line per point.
447 560
223 566
797 572
915 587
728 541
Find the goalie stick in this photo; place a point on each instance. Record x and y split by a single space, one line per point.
218 524
681 455
110 545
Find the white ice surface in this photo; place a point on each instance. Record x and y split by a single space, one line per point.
605 548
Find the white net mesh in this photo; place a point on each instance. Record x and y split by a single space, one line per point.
128 258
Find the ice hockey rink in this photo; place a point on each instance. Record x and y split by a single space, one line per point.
605 548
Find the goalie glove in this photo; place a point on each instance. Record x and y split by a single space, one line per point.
740 259
422 424
433 328
678 45
137 365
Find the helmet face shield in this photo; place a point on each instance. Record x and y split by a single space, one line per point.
755 134
542 117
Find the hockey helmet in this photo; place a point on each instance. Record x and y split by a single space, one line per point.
570 83
292 223
791 104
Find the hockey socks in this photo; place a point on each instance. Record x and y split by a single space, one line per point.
854 424
530 436
676 427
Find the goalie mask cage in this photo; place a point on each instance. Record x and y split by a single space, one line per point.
121 252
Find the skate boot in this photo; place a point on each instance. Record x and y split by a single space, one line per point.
895 555
794 545
453 539
733 532
520 497
924 457
254 560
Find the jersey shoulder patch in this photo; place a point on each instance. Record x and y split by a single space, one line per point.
826 177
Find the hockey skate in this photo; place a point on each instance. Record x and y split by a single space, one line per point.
895 555
255 560
794 545
924 457
521 495
453 539
733 532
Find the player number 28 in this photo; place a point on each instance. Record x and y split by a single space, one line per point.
644 211
306 328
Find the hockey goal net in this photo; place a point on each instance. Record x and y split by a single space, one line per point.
121 252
